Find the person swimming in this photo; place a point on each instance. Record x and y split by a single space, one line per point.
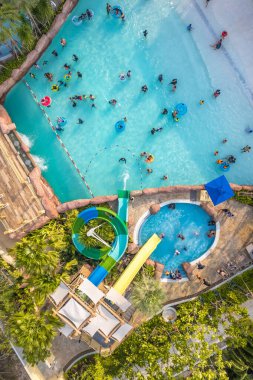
164 111
63 42
113 102
75 58
89 14
122 159
217 45
144 88
145 33
174 114
231 159
246 148
173 82
79 75
217 93
79 121
189 28
108 8
129 73
160 78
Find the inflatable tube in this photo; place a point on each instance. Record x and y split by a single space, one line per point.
176 119
122 77
55 88
225 167
76 21
67 77
116 11
181 109
151 159
61 121
46 101
120 126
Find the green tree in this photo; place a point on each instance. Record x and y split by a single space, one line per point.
9 23
34 333
147 295
25 34
26 7
43 12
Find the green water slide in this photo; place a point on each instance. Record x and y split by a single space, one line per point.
109 256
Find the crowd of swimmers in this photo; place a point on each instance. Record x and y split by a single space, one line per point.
65 81
211 233
86 15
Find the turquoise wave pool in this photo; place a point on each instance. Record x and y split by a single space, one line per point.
105 48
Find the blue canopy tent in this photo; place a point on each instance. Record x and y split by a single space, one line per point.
219 190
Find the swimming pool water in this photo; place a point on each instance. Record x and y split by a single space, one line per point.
107 47
187 219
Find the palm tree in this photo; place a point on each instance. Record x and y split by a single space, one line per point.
9 23
36 260
147 295
34 333
27 7
44 12
25 34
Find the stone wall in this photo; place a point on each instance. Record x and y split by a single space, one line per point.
63 207
26 193
40 47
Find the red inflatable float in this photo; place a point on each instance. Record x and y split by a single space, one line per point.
46 101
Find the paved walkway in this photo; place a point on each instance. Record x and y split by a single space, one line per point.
63 351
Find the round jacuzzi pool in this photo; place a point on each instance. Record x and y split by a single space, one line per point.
187 232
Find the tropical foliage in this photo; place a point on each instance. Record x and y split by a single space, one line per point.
103 229
42 259
22 22
147 295
246 198
158 350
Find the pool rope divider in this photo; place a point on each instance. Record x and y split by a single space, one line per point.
58 137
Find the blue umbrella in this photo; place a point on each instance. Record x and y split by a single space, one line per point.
219 190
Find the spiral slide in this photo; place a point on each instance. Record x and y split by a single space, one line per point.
111 255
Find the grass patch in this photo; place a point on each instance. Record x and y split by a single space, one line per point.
6 71
245 199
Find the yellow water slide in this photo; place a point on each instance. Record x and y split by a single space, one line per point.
133 268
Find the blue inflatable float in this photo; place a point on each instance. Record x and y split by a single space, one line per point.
181 109
225 167
75 20
61 121
116 11
120 126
